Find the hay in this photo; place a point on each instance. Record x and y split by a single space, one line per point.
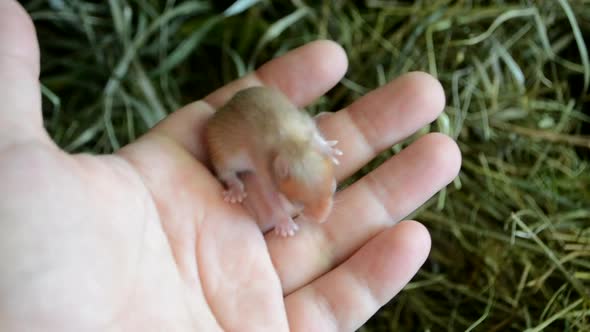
511 236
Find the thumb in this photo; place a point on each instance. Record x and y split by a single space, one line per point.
20 97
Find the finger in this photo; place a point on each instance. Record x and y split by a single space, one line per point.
382 118
379 199
20 112
344 298
303 75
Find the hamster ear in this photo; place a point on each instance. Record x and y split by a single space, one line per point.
281 166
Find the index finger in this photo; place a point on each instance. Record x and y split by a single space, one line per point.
302 74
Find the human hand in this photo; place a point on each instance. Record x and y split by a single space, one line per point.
142 240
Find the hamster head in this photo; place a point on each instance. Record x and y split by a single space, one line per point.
306 179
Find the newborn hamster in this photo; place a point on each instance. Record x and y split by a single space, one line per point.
261 133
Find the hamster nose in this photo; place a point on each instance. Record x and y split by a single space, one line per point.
319 213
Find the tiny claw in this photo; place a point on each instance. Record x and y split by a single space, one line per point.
286 228
328 149
332 142
234 196
322 114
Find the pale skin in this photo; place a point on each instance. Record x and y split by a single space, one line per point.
139 241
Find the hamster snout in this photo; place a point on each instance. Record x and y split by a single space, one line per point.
314 203
318 211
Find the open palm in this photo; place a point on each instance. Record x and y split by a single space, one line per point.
142 241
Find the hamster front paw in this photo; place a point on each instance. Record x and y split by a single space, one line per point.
327 148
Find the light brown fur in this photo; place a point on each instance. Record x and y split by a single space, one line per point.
260 131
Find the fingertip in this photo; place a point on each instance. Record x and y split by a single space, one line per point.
18 38
414 238
445 153
320 64
302 74
21 120
400 250
427 94
335 59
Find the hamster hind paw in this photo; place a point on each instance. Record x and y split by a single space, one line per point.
234 194
285 228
